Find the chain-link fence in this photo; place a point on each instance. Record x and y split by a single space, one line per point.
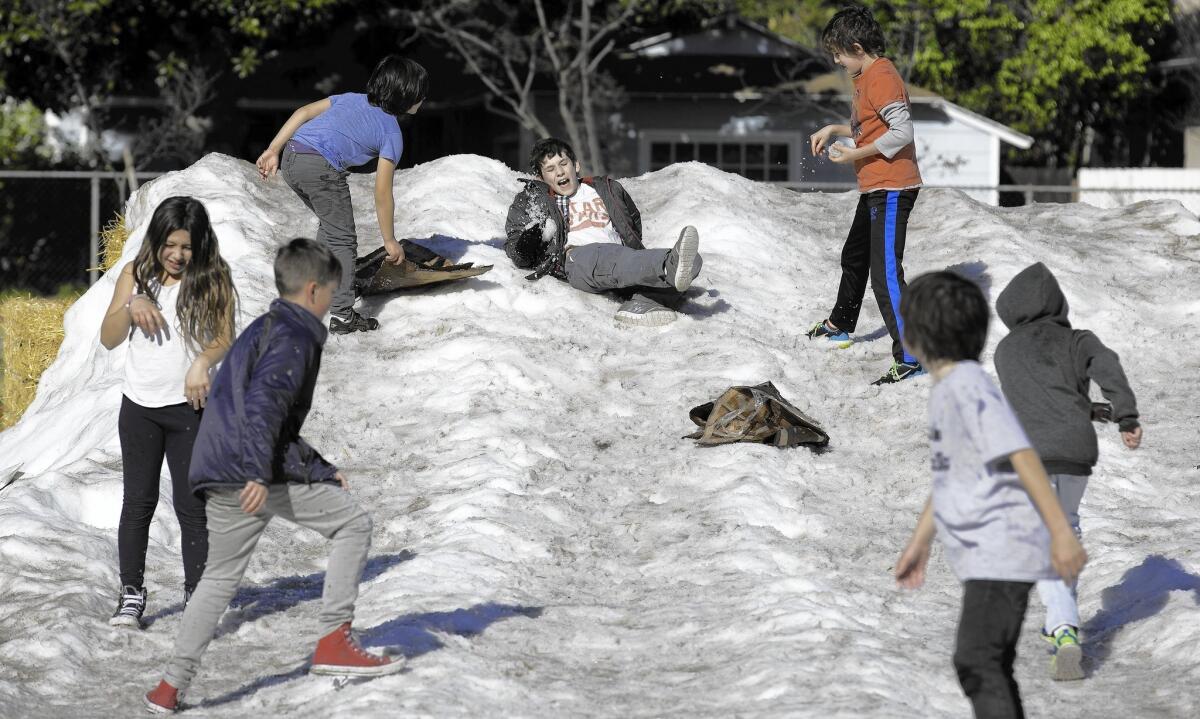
50 221
50 224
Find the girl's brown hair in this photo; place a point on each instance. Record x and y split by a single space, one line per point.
207 299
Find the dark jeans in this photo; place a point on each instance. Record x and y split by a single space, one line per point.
875 248
327 193
147 434
992 613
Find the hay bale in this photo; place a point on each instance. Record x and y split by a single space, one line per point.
112 240
31 331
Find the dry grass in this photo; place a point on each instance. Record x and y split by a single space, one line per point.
31 330
112 239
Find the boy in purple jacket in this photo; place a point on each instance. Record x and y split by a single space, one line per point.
252 465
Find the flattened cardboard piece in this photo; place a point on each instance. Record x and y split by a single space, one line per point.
755 414
421 266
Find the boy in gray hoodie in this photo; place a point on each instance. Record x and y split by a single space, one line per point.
1045 369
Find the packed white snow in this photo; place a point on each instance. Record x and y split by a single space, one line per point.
547 545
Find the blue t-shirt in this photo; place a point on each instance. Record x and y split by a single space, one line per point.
352 132
985 520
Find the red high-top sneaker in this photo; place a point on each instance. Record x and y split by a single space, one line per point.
163 699
339 652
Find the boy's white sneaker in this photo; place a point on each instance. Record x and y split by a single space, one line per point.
685 250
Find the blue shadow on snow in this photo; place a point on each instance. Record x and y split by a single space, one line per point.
251 603
1142 593
410 635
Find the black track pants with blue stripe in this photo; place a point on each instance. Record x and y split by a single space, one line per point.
875 247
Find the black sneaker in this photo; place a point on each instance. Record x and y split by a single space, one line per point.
354 322
834 337
130 607
899 372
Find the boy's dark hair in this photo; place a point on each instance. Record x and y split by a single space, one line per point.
946 316
853 24
302 261
548 147
396 84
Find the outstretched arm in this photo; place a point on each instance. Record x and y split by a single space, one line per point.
1102 366
910 568
268 161
385 209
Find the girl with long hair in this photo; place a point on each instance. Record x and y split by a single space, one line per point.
175 304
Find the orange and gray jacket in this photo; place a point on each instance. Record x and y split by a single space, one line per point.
1046 368
531 207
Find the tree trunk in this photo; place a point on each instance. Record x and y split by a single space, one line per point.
589 114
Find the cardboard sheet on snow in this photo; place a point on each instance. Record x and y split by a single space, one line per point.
421 266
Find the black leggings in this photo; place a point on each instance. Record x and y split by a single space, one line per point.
147 433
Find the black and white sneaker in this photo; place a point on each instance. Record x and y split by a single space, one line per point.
644 312
899 372
353 322
130 607
685 250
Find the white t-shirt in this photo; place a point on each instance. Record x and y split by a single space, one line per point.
985 519
156 365
589 222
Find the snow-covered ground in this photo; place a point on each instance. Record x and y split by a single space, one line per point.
545 543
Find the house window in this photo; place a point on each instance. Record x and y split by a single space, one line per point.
761 160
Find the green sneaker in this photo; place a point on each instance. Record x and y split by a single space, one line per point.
1067 662
899 372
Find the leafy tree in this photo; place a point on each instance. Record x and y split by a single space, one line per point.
1060 70
72 54
518 48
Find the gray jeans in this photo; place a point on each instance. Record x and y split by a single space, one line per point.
232 535
1059 597
601 267
327 193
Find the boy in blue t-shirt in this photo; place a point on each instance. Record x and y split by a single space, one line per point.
321 141
999 521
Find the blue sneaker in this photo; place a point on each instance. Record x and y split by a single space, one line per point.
836 337
899 372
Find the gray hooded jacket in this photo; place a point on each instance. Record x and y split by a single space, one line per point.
1045 368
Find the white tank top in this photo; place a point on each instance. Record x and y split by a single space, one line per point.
156 365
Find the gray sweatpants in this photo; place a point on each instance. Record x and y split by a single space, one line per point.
232 535
327 193
601 267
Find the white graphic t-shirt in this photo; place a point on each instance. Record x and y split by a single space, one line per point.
985 519
588 221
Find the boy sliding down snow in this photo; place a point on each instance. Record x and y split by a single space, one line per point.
253 465
588 232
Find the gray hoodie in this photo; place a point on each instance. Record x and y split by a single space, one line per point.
1045 368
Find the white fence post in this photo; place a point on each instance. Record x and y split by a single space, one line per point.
94 247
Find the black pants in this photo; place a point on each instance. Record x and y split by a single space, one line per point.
147 434
875 247
992 613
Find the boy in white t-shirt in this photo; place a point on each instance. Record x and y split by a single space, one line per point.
992 505
587 231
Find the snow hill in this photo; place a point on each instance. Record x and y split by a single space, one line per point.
545 543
